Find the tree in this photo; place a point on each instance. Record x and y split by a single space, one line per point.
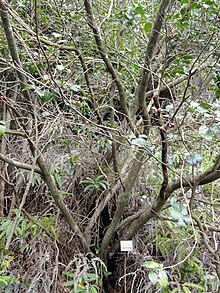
112 123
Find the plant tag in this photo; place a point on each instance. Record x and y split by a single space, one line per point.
126 245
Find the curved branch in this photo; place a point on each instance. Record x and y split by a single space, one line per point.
59 201
58 198
13 48
15 132
210 175
19 164
109 66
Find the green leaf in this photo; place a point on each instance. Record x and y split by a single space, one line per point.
181 222
175 214
163 279
87 180
60 82
7 279
191 160
215 128
179 70
195 5
92 289
3 281
88 187
139 10
80 290
99 177
152 265
205 105
176 290
187 220
173 44
153 277
75 88
173 202
44 95
217 93
186 290
209 2
184 24
104 185
139 141
69 283
147 26
2 127
57 179
92 277
198 286
69 274
198 158
205 132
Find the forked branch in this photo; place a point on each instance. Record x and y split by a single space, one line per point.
140 99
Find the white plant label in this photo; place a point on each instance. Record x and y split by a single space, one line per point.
126 245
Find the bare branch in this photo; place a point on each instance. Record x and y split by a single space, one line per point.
58 198
109 66
13 47
140 97
19 165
